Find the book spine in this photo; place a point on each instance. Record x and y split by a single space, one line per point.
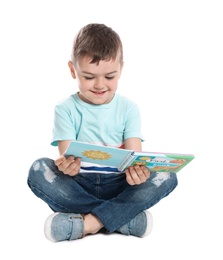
126 162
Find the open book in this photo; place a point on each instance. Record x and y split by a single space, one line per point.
123 158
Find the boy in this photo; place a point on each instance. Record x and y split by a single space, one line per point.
83 200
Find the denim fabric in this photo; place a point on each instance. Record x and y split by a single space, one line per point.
108 196
64 226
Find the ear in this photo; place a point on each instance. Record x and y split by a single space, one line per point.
122 65
72 70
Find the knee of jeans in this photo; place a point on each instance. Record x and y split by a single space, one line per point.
172 182
39 169
170 179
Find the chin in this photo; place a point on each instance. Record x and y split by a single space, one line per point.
100 102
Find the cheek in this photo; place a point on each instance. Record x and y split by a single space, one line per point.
113 85
85 84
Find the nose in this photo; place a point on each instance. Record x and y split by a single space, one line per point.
99 83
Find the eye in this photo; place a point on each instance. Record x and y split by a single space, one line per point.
110 78
88 78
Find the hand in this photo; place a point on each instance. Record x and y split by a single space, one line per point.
69 166
137 174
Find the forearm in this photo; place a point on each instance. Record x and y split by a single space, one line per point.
63 145
133 144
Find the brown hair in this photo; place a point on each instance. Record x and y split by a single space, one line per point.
98 42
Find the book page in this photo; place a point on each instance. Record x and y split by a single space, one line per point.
162 162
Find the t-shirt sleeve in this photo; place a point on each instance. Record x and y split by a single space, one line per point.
133 123
63 125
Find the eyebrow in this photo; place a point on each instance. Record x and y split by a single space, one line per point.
85 72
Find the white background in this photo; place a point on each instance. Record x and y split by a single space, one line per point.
173 69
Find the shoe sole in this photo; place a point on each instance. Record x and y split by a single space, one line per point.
47 227
149 223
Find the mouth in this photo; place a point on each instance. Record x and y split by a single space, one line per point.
99 93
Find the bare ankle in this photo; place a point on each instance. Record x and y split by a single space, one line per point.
91 224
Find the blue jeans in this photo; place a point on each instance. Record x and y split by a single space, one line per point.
108 196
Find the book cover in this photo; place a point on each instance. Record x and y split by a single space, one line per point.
123 158
98 154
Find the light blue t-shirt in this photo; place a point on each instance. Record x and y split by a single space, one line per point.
107 124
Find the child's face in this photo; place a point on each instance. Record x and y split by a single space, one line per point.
97 82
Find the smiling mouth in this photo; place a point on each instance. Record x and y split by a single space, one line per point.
98 92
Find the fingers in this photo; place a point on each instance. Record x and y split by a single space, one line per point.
69 166
136 175
60 160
